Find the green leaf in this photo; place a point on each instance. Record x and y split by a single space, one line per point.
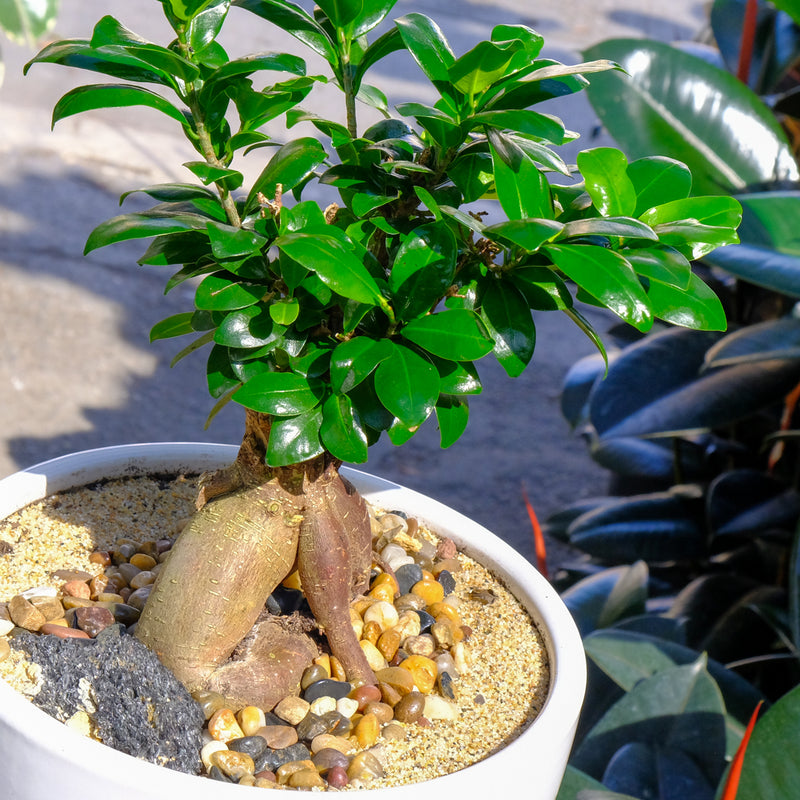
389 42
454 334
289 166
607 276
426 43
176 325
457 377
678 105
228 241
223 76
283 394
605 171
679 708
25 22
336 266
164 60
696 306
521 187
296 22
203 340
293 440
249 327
721 212
525 121
354 360
219 372
657 180
142 226
529 234
623 227
508 318
407 385
772 760
424 268
760 266
284 312
89 98
662 264
342 432
218 293
452 414
772 213
483 65
341 12
231 179
205 26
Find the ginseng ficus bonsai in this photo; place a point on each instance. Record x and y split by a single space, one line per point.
331 323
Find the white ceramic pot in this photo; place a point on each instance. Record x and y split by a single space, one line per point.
42 758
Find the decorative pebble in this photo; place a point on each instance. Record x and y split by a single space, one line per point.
40 591
208 749
337 670
62 631
425 620
423 671
365 766
422 645
437 707
234 764
394 732
407 575
75 588
430 591
329 757
367 730
93 619
444 682
25 614
306 779
447 581
273 759
410 708
365 694
5 649
250 719
337 777
312 674
253 746
347 706
327 687
210 702
385 614
374 658
143 561
309 727
223 726
336 723
101 557
292 709
125 614
325 741
6 626
398 678
278 737
285 771
409 602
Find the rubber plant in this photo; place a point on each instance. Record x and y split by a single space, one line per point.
332 324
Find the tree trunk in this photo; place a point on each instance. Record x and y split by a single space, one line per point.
254 525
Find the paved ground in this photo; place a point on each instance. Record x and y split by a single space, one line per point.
76 370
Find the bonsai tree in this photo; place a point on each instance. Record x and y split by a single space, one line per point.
331 323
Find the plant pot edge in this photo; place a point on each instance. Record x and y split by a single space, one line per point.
537 757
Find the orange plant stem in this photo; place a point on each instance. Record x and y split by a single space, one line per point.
748 39
538 536
732 784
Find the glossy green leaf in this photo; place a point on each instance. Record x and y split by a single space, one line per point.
142 226
605 597
173 192
454 334
679 105
542 288
657 180
341 12
529 234
341 431
285 311
695 306
112 95
452 414
623 227
230 242
296 22
164 60
521 187
423 269
679 708
483 65
202 341
352 361
457 377
775 213
205 26
293 440
763 341
283 394
24 21
662 264
426 43
720 212
336 266
407 385
607 276
186 9
508 319
219 372
605 172
772 760
248 327
176 325
289 166
242 67
525 121
218 293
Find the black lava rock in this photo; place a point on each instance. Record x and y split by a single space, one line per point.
135 703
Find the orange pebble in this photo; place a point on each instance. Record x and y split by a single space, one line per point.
372 631
367 730
383 591
423 670
337 670
386 578
77 589
223 726
437 610
430 591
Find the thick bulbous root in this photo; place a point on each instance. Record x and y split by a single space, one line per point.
233 553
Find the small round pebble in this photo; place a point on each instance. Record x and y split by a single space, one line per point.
337 777
278 737
410 708
327 687
253 746
292 709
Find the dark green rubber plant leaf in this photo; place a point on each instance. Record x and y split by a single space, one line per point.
772 760
454 334
427 44
218 293
658 527
657 180
249 327
761 266
452 414
696 306
680 708
601 599
529 234
407 385
680 106
282 394
354 360
521 186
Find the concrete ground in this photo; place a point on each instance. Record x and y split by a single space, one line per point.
76 369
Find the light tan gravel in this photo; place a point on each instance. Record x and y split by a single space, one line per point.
498 697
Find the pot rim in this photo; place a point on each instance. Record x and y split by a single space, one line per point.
555 723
